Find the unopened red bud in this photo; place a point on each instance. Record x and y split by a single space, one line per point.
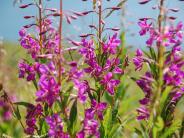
144 1
73 17
114 8
27 17
82 13
92 26
87 12
29 25
172 18
86 35
25 5
78 13
68 19
56 14
42 33
174 10
113 29
51 9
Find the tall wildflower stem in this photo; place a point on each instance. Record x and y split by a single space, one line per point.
60 40
100 36
161 50
100 23
40 24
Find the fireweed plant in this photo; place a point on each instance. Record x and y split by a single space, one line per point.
78 88
70 93
162 83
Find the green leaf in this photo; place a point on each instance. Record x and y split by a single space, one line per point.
43 60
46 109
114 130
164 97
35 84
108 97
65 96
73 117
119 5
176 125
123 43
25 104
139 132
147 54
43 127
17 113
107 123
159 125
154 69
182 129
102 131
153 53
115 112
121 91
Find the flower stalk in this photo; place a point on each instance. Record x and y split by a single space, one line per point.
100 21
40 24
161 51
60 40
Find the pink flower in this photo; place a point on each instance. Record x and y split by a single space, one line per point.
56 127
109 83
111 45
138 60
83 89
145 27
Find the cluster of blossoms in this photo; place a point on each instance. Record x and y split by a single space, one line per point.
170 38
48 89
27 71
90 124
105 69
145 83
56 127
48 86
43 71
32 44
33 112
103 72
48 70
65 84
29 43
174 74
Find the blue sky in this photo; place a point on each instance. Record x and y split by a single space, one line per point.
11 17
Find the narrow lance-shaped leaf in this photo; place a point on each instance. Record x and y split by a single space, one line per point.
107 121
25 104
73 117
119 5
159 125
17 113
164 96
172 129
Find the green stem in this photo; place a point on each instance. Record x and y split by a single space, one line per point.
100 25
60 40
40 24
161 51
